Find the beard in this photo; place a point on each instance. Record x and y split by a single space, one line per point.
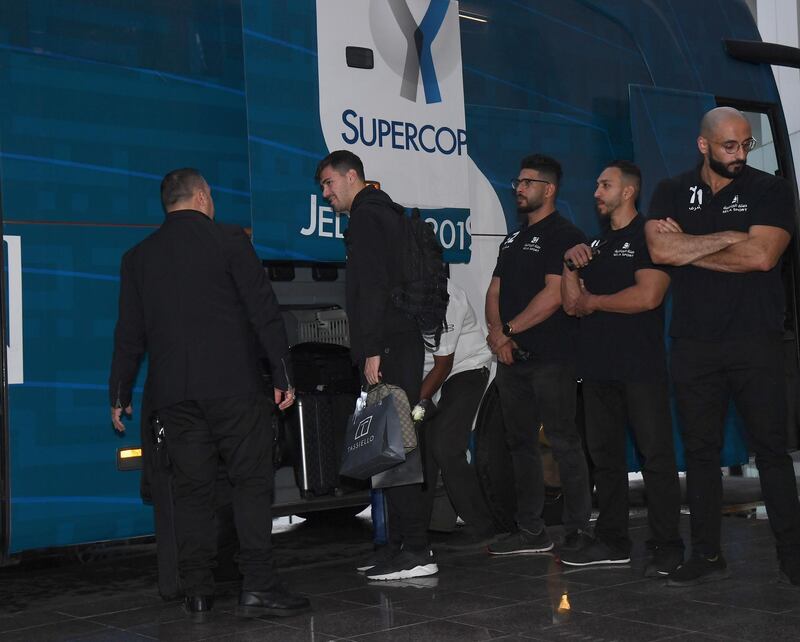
527 206
726 170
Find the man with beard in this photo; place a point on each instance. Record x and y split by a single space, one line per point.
618 296
384 341
725 226
534 340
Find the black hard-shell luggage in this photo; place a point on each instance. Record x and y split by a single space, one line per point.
318 423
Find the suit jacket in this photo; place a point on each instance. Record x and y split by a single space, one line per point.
374 260
195 297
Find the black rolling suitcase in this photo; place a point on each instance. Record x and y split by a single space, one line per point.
327 385
319 424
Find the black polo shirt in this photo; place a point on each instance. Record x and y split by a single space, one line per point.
710 305
525 258
615 346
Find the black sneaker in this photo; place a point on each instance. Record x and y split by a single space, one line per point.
523 541
468 538
405 565
663 562
699 570
574 540
380 555
594 554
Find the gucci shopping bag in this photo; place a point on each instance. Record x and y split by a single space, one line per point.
374 440
403 407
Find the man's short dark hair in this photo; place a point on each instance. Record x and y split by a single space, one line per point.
180 185
342 161
547 166
629 170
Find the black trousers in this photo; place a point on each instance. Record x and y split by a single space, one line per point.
446 438
402 362
531 394
609 407
706 376
238 431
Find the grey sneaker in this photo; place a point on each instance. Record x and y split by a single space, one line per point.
523 541
699 570
594 554
405 565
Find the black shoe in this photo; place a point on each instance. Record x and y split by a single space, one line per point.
699 570
595 553
574 540
405 565
278 602
198 606
468 538
663 562
789 569
380 555
523 541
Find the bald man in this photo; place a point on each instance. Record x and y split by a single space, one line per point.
725 226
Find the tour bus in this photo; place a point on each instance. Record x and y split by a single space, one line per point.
441 99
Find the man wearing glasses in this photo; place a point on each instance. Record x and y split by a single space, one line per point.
725 226
534 340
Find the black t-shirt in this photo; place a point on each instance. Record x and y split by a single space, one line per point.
525 258
615 346
710 305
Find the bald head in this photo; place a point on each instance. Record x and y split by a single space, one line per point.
719 118
724 141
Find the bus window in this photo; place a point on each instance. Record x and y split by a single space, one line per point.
763 156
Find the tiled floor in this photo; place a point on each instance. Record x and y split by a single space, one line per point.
474 597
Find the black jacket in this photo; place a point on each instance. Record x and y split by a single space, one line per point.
194 296
374 259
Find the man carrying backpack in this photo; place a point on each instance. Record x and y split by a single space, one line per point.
384 340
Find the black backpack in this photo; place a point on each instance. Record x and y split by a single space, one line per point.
422 295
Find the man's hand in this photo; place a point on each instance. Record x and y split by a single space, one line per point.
505 353
116 417
579 256
496 339
372 370
668 225
284 398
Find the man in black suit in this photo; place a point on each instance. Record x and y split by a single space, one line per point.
194 296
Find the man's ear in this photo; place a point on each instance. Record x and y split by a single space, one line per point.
629 192
702 145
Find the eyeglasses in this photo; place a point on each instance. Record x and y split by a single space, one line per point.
732 146
526 182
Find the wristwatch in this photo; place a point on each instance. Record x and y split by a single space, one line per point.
507 329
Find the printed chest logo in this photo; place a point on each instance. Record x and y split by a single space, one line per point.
625 251
510 240
696 198
735 207
532 245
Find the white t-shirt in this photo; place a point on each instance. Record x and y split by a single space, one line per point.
465 336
